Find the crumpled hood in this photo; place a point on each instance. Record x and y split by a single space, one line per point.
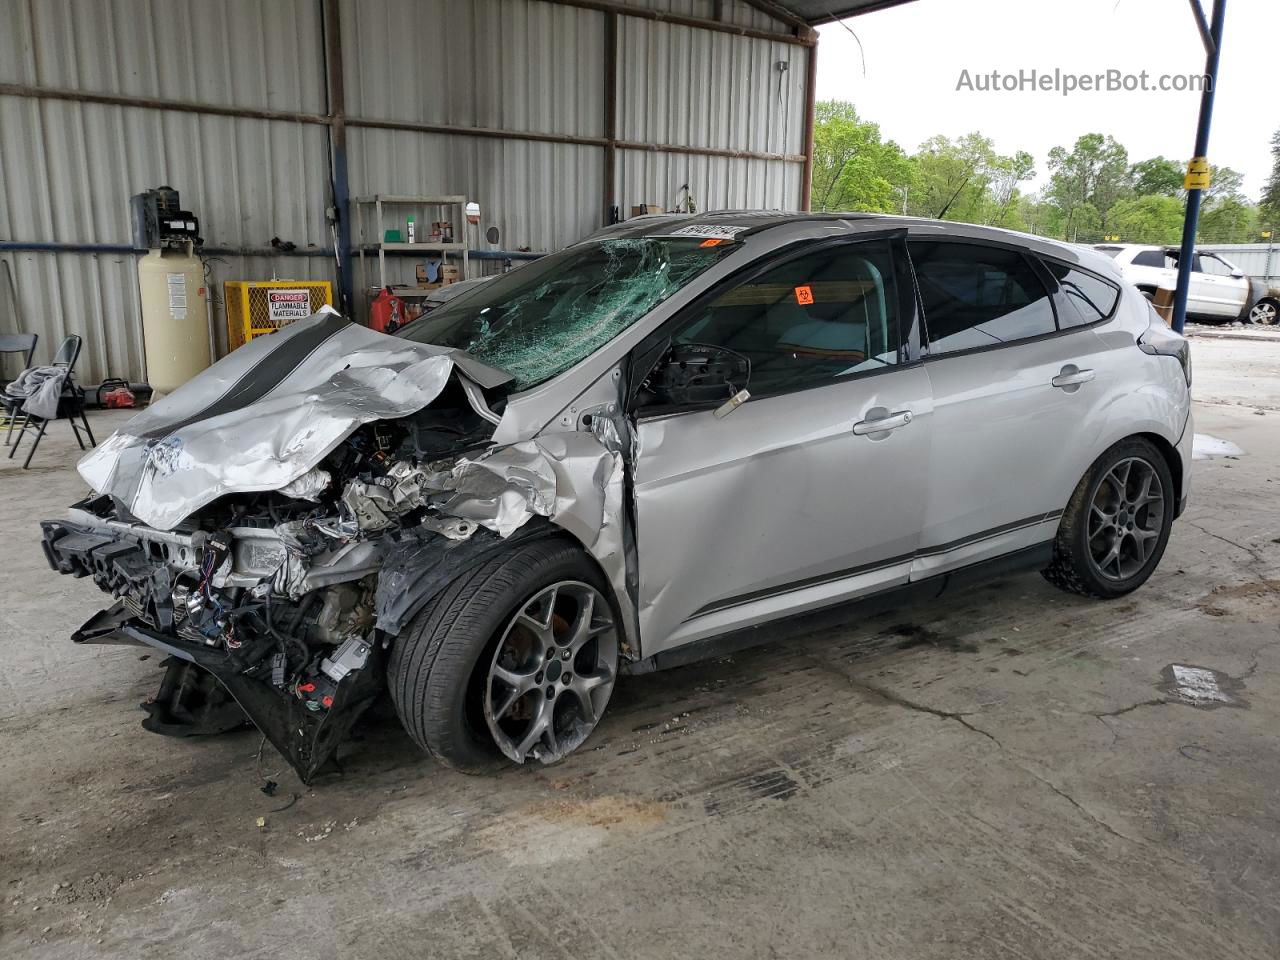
267 413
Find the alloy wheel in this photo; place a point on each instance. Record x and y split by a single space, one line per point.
1263 313
1126 518
552 673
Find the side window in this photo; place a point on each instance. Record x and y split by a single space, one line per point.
1151 258
1088 298
1214 267
977 296
801 324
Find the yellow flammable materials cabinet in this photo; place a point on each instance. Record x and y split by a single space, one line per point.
255 307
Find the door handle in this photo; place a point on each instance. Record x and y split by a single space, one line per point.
1071 377
882 424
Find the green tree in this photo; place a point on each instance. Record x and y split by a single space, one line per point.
1153 218
1269 208
1225 213
965 179
1157 175
853 168
1086 182
1006 174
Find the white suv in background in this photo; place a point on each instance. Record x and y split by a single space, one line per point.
1219 289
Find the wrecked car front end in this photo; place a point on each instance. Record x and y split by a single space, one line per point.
274 524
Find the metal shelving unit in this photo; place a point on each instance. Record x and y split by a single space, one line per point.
450 208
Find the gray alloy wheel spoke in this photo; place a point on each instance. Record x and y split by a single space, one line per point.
1146 542
520 682
550 732
1123 480
1112 556
587 626
580 629
1125 519
1149 495
541 626
536 730
589 681
583 693
1099 520
516 693
536 704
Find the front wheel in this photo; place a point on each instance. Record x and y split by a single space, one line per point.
1116 525
516 658
1265 312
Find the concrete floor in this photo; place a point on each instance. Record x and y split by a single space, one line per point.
1009 773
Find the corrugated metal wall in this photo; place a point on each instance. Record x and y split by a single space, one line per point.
68 167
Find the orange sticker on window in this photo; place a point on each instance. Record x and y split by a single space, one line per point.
713 242
804 295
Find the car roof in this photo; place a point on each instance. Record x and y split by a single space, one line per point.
743 223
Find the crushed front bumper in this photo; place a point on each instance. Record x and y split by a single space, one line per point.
305 725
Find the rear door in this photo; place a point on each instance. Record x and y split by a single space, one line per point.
1152 268
809 493
1020 382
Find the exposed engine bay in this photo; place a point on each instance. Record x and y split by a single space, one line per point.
278 605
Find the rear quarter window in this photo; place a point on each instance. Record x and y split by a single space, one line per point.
1088 298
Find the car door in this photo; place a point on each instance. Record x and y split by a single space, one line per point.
1151 268
1225 294
809 492
1019 387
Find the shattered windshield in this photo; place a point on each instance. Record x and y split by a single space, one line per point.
538 321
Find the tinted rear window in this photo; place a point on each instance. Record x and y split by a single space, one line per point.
1089 298
1149 258
978 296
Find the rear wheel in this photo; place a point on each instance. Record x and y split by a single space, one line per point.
517 658
1116 526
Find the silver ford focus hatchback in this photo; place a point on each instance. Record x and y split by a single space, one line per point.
664 442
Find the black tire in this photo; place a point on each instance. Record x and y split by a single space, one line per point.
1271 317
1074 567
438 664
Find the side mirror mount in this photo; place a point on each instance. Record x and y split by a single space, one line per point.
699 373
1237 274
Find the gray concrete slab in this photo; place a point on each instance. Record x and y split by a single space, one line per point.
1008 773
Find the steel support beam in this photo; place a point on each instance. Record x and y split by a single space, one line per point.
810 100
610 116
699 23
1213 48
157 103
453 130
340 182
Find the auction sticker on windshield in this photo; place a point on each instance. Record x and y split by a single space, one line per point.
709 230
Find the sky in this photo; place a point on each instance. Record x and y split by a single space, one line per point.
915 55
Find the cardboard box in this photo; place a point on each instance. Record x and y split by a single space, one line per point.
645 208
449 274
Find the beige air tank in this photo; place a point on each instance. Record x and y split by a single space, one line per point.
175 319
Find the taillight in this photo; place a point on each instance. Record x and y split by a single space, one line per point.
1161 341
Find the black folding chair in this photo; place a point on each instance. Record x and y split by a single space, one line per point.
24 344
70 404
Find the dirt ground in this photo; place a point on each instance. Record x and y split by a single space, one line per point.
1013 772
